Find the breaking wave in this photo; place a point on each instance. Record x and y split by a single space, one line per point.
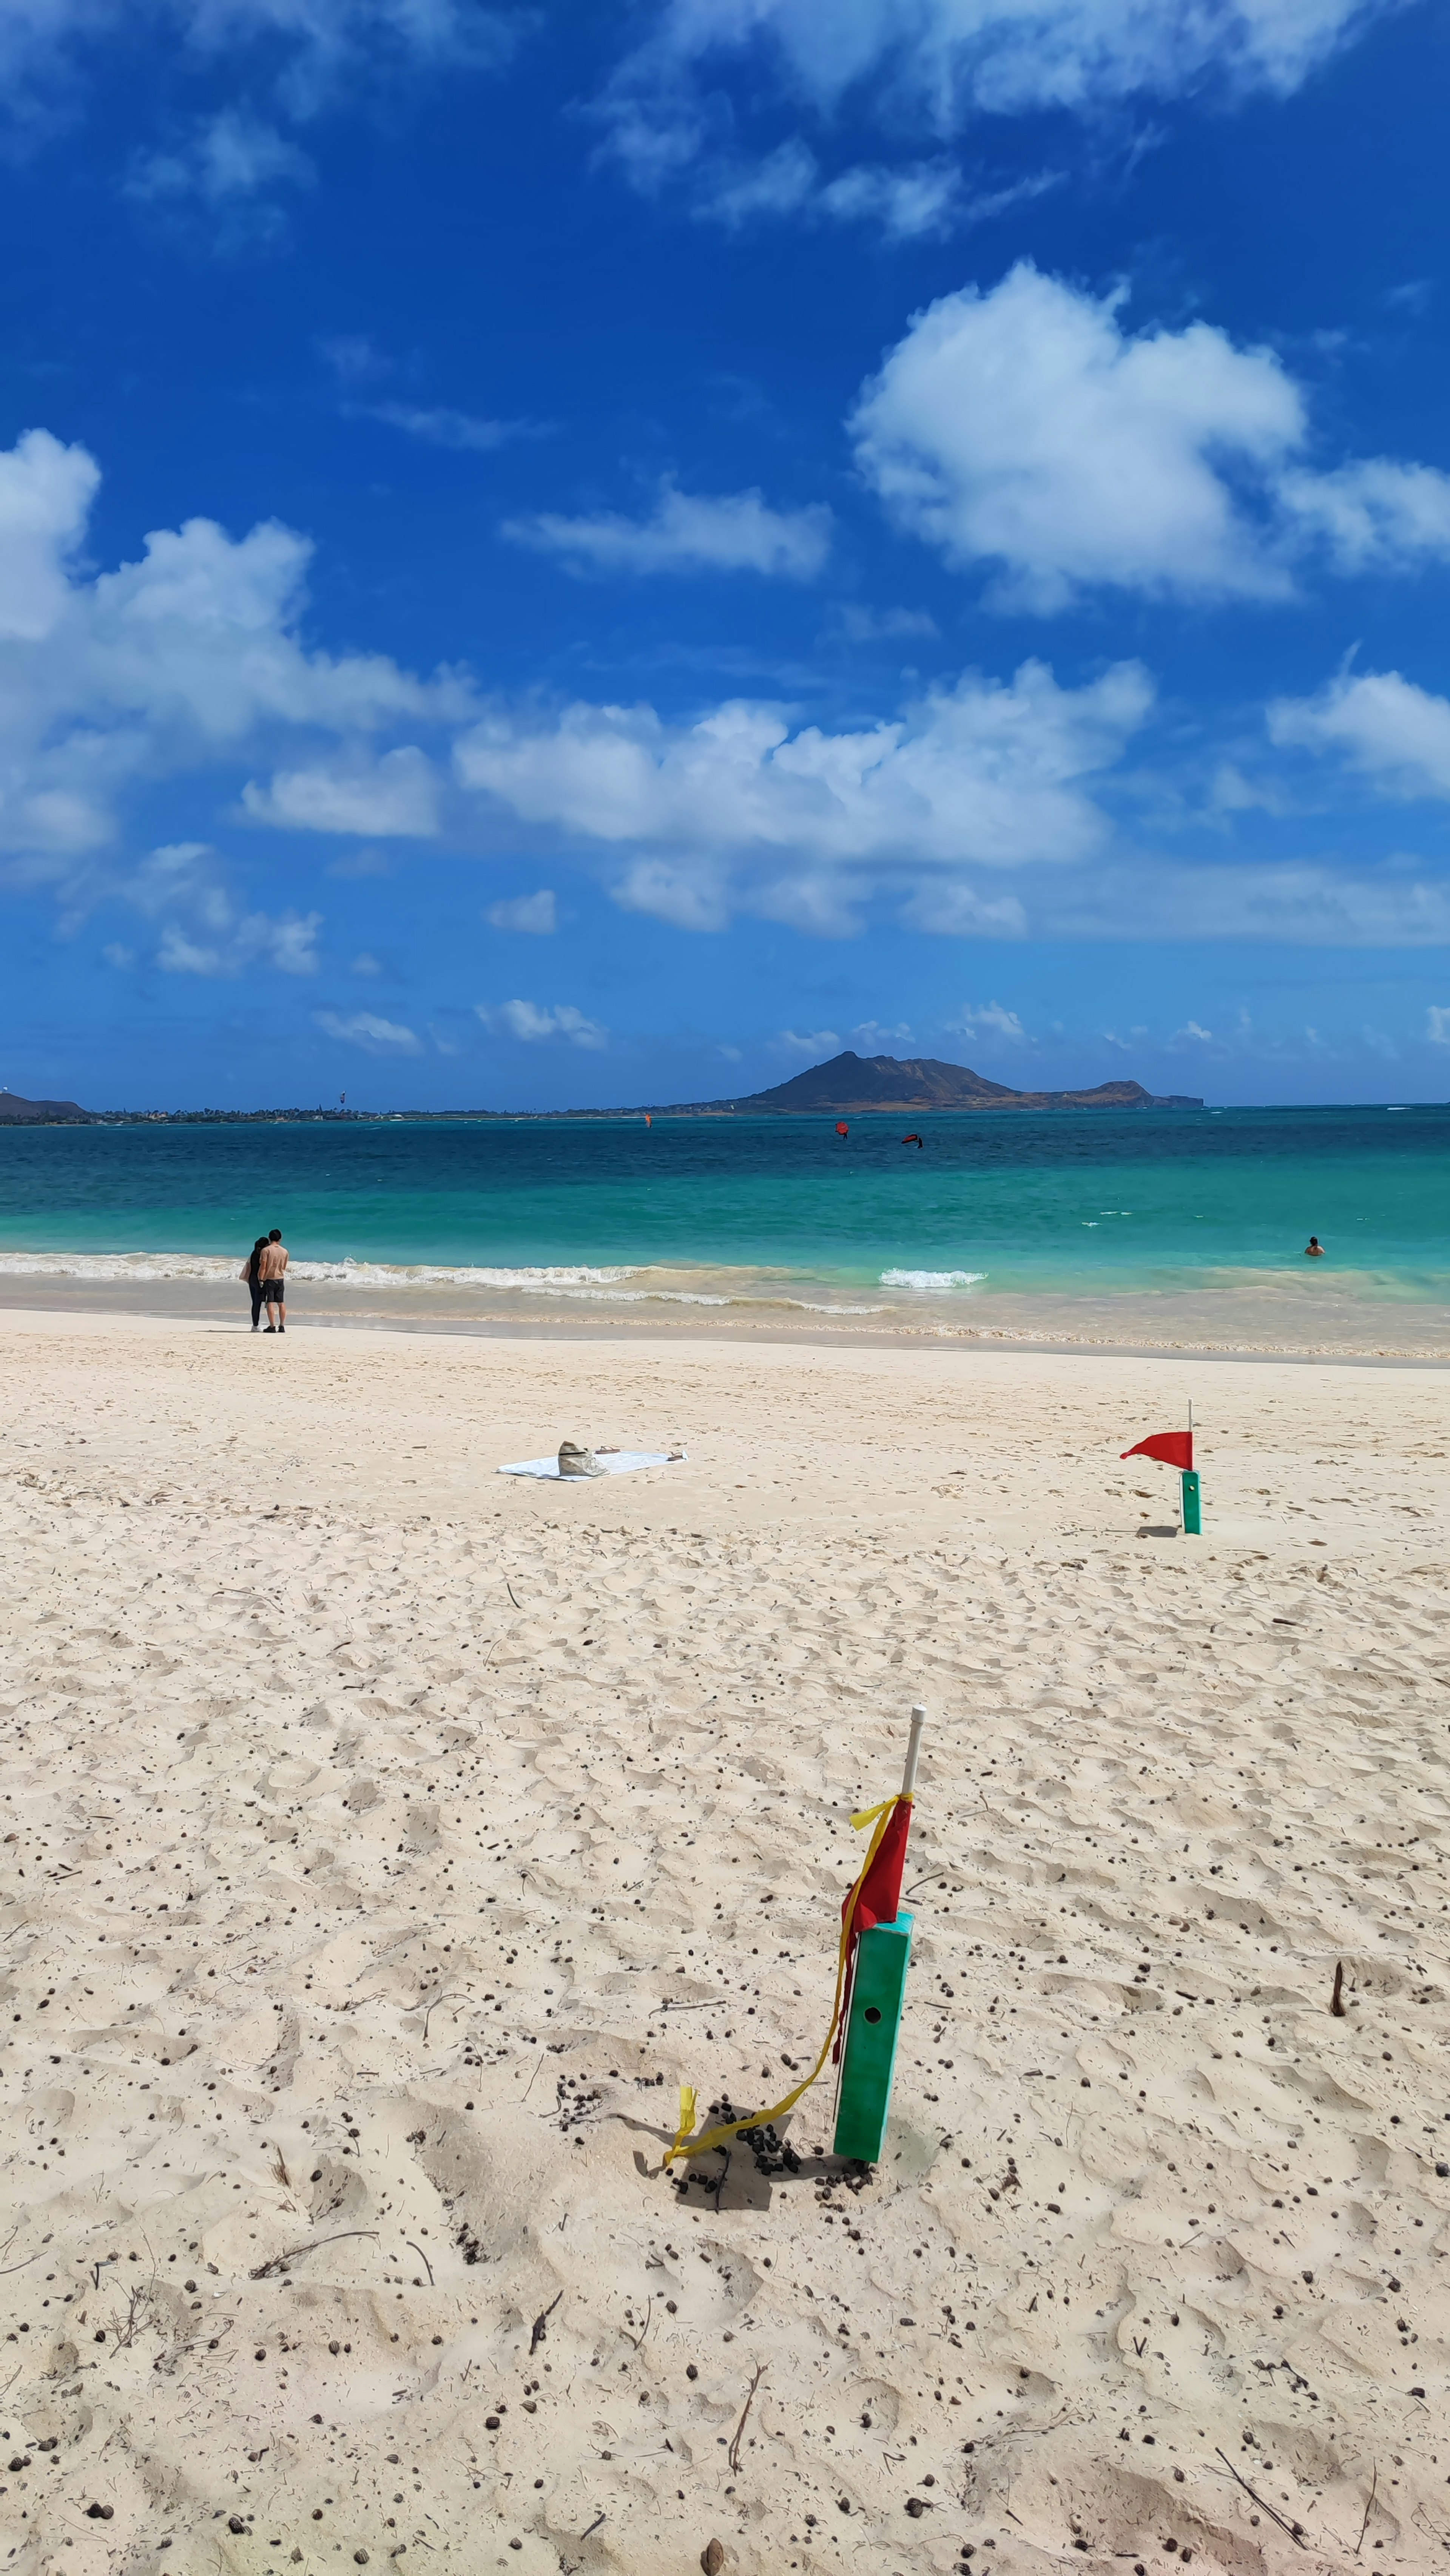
931 1278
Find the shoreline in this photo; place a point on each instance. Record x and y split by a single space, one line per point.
201 1307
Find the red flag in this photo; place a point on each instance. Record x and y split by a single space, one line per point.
879 1901
841 1127
880 1897
1175 1448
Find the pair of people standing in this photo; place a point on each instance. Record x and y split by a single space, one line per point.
265 1274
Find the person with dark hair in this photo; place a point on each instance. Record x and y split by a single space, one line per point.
250 1272
1314 1249
272 1268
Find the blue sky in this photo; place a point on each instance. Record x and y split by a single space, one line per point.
568 555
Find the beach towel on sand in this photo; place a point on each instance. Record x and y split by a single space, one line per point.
612 1462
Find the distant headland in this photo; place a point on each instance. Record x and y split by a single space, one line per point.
849 1085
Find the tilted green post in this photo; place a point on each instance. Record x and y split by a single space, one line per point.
1192 1508
877 1997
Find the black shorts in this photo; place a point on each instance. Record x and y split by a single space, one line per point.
274 1291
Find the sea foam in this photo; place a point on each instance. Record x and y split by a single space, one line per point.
931 1278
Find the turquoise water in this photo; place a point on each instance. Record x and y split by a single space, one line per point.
999 1207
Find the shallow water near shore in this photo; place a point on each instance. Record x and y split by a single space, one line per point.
1154 1228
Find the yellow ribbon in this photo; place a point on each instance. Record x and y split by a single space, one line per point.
684 2144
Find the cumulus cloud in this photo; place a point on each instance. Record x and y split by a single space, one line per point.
742 808
686 532
534 1021
364 1029
1024 429
180 663
1437 1025
394 798
933 66
988 1019
535 913
1385 725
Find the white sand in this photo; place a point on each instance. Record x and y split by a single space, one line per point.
393 1838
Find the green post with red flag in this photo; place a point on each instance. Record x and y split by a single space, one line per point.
881 1954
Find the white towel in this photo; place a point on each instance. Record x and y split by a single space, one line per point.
618 1462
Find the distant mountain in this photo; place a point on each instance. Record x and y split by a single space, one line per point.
852 1082
17 1112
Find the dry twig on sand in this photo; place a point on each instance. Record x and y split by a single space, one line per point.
279 2262
733 2454
1295 2530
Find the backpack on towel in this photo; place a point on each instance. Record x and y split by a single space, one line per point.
574 1461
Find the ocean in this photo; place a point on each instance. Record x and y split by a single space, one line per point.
1147 1228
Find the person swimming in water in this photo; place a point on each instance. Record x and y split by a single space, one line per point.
1314 1249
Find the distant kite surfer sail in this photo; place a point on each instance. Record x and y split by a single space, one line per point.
841 1127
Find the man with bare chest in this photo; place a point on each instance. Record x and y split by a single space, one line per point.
272 1280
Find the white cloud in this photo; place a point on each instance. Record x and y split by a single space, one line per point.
227 165
1305 903
364 1029
178 664
1386 725
532 1021
247 939
934 65
871 1034
988 1019
1437 1025
948 909
739 809
317 53
364 963
441 427
182 886
395 798
1025 428
882 625
687 532
117 955
922 199
815 1044
691 894
1373 516
46 492
535 913
1191 1029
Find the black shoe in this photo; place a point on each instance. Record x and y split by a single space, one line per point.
271 1328
281 1328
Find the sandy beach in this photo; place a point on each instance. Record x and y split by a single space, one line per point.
395 1838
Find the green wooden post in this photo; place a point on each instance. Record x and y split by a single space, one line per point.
882 1957
1192 1508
